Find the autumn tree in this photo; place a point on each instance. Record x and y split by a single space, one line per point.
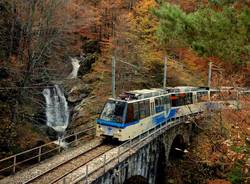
140 46
9 30
35 34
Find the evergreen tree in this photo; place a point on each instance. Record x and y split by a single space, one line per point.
224 33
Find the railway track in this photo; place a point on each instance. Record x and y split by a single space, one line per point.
56 174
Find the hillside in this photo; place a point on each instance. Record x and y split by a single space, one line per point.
40 38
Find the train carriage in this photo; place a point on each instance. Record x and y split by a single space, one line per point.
137 111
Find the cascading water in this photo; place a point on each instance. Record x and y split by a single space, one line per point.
57 111
76 65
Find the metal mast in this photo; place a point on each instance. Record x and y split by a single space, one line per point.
165 72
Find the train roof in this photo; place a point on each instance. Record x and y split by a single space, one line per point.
147 93
144 93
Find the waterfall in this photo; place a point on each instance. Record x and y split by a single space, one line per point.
76 65
57 112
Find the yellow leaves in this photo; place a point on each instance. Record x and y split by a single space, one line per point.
142 31
144 6
143 22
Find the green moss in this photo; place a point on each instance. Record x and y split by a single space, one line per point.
240 149
236 174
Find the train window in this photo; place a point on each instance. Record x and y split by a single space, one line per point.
181 99
166 100
166 103
188 98
147 108
159 107
191 98
174 100
162 100
202 96
130 113
157 102
113 111
142 110
136 111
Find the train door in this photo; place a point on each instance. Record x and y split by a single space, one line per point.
167 103
208 93
194 97
152 107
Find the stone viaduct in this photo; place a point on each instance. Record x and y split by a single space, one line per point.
146 162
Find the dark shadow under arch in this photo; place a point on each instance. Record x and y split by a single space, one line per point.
161 164
177 148
136 180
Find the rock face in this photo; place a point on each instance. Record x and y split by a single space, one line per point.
52 134
81 114
78 93
87 64
92 49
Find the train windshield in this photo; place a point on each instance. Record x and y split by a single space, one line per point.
113 111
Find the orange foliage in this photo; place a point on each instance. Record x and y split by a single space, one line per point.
188 5
192 5
218 181
223 73
95 20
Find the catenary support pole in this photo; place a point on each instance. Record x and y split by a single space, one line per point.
209 74
165 72
113 76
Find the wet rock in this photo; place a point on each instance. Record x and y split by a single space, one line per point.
78 93
40 117
87 64
52 134
81 114
91 46
76 96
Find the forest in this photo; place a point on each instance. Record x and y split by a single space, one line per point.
39 40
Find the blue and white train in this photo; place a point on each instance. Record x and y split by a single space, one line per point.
136 111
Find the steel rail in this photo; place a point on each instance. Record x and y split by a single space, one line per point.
34 179
74 169
39 153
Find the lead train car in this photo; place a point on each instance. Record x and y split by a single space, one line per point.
137 111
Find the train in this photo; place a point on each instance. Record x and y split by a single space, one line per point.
134 112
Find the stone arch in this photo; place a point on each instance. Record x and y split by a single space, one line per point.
137 179
177 148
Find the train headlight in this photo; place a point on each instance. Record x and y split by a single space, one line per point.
119 130
100 127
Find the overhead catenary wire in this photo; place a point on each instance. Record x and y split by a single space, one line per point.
25 87
134 66
23 70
